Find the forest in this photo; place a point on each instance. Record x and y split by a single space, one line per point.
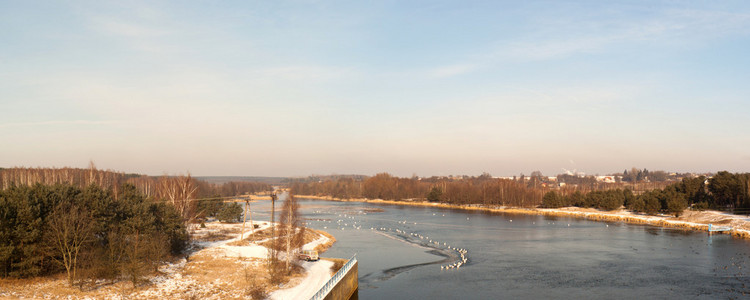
522 191
471 190
723 191
150 186
92 224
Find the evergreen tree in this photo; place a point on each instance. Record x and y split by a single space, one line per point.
434 195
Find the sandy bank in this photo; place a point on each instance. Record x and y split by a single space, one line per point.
690 220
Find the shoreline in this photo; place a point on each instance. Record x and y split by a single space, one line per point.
691 220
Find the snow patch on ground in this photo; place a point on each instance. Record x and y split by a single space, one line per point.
689 219
252 251
168 283
311 245
317 275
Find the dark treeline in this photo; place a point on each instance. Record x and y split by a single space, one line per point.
103 223
85 232
465 190
180 191
724 191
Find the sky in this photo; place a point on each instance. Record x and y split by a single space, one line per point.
293 88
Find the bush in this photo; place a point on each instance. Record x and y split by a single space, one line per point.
552 200
677 204
610 201
230 213
636 205
651 203
434 195
592 199
337 265
577 199
628 197
700 206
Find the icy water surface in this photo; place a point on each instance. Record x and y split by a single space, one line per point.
401 250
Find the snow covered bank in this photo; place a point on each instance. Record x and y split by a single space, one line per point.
317 274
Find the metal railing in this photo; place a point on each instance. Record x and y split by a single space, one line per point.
323 292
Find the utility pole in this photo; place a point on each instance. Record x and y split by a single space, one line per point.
289 231
244 219
273 217
250 213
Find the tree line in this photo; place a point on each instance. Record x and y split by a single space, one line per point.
150 186
482 189
85 232
723 191
522 191
181 192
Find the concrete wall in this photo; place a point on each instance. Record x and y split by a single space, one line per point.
346 288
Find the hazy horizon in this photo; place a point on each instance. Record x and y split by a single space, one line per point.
294 88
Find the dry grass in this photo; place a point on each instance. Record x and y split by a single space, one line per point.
209 273
338 263
254 237
216 232
227 277
324 246
56 287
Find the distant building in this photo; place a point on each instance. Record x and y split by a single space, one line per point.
607 178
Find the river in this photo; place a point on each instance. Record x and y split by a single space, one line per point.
401 250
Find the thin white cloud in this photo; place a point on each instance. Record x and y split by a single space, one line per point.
303 73
572 37
127 29
453 70
54 123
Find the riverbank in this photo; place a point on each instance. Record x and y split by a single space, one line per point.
224 263
689 220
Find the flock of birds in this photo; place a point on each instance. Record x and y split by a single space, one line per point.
427 241
347 221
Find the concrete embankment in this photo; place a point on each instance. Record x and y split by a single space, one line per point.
698 222
344 285
347 287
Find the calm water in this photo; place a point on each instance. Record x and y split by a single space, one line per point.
513 256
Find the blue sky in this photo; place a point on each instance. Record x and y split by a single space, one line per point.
292 88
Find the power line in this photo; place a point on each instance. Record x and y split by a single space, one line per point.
239 198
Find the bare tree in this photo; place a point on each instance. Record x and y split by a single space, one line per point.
70 229
274 270
180 192
290 221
